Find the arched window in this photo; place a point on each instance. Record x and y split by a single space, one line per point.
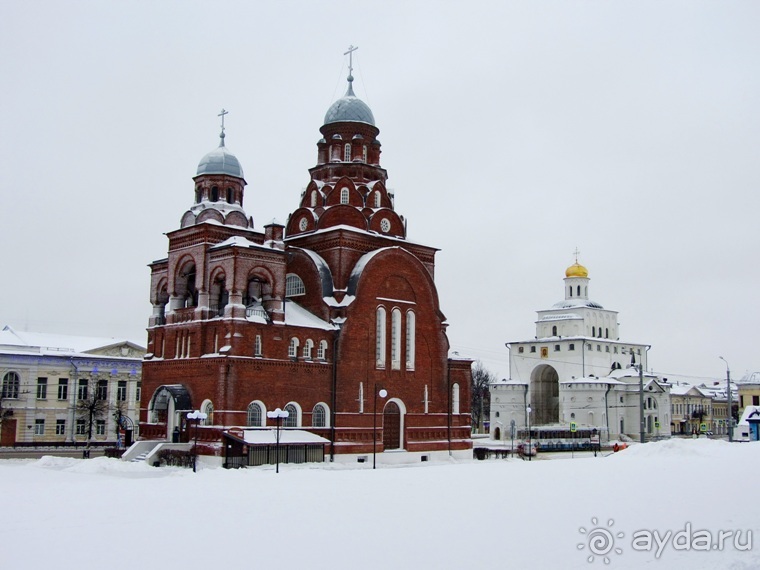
257 345
396 339
230 196
364 153
455 399
347 152
380 338
585 291
579 290
410 339
293 348
255 414
606 333
214 194
307 348
208 409
198 194
292 419
593 331
294 285
322 350
554 330
11 383
344 195
571 291
319 416
378 200
313 198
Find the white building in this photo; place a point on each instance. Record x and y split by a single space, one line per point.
577 370
44 376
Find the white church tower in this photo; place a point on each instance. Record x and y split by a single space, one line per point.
577 370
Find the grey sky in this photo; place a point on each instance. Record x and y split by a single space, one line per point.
513 132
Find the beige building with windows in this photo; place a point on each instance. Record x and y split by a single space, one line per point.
45 376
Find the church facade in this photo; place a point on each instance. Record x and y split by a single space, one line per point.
333 317
577 370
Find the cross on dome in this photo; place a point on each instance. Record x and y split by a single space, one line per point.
221 135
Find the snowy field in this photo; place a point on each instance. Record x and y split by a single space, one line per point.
103 513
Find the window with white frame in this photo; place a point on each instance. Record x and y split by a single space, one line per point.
39 427
11 383
208 409
344 195
293 348
63 388
396 339
292 419
255 414
257 345
410 339
121 391
81 427
42 388
294 285
347 152
313 198
82 391
380 338
100 427
60 427
319 416
378 199
307 348
322 350
455 398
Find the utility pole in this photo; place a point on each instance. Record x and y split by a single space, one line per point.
641 401
730 406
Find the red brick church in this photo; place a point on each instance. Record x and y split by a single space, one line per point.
315 317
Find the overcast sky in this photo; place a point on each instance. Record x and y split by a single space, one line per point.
513 132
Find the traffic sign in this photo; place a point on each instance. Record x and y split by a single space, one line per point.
573 427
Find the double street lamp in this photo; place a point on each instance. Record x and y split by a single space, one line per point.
382 393
530 436
278 415
197 415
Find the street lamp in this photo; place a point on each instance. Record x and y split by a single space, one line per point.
530 436
278 415
730 411
382 393
197 415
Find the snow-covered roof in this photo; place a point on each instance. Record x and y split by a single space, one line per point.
58 343
560 317
576 304
296 315
593 380
266 436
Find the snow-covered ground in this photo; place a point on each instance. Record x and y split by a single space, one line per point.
103 513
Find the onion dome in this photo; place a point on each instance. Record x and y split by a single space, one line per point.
576 270
220 161
349 108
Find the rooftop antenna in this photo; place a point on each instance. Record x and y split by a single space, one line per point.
350 54
221 135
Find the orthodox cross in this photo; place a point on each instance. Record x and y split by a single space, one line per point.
350 54
576 253
222 114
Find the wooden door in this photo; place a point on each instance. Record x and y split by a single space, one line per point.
8 432
392 426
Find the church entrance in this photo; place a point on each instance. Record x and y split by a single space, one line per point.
391 426
544 395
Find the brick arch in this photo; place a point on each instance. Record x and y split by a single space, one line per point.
343 214
178 285
293 227
397 225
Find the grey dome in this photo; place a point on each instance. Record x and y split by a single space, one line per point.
349 108
220 161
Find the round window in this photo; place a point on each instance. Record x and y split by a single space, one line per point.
385 225
303 224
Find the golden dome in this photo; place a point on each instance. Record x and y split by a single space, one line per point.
576 270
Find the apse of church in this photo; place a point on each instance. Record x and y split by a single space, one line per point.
314 317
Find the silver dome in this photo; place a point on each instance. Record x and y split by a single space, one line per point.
349 108
220 161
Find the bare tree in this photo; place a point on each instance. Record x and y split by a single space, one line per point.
481 396
91 409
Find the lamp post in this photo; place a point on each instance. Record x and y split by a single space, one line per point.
730 411
382 393
278 415
197 415
530 436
